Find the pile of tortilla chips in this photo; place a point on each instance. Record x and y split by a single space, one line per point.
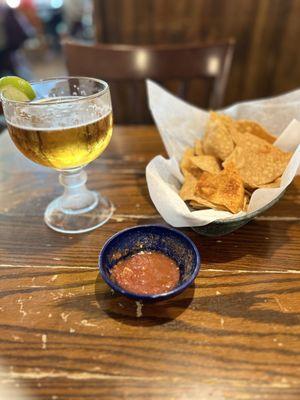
234 158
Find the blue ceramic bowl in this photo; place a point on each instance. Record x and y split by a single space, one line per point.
168 241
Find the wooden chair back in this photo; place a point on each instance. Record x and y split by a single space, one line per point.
179 67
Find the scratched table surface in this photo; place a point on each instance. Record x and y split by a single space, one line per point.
235 334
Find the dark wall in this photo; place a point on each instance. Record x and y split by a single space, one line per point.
267 57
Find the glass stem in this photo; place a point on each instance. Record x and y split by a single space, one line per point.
76 198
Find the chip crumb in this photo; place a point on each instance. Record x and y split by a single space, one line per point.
139 306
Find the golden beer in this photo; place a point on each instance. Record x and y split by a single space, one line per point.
67 125
64 148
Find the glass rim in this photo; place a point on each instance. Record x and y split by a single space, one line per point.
50 102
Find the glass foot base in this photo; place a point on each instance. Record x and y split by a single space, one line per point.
78 221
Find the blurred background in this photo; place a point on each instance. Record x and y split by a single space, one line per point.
265 62
31 33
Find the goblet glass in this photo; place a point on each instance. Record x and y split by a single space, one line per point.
65 127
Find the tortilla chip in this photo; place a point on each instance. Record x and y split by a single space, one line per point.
225 188
186 166
199 203
252 127
249 158
206 163
247 140
187 190
188 153
217 140
198 148
257 165
275 184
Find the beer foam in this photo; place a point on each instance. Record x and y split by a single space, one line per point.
56 114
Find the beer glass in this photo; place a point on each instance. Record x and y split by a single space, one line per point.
65 127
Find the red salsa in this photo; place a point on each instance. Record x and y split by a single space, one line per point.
146 273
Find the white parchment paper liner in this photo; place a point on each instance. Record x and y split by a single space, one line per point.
180 123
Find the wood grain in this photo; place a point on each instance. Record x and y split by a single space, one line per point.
235 334
227 331
266 31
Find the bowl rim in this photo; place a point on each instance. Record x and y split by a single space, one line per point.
160 296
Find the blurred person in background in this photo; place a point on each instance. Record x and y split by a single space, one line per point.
29 9
73 10
15 29
78 17
53 24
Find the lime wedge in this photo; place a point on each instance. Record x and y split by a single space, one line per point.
15 88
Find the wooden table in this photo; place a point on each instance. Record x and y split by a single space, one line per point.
235 334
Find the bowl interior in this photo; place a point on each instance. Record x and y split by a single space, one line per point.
150 238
